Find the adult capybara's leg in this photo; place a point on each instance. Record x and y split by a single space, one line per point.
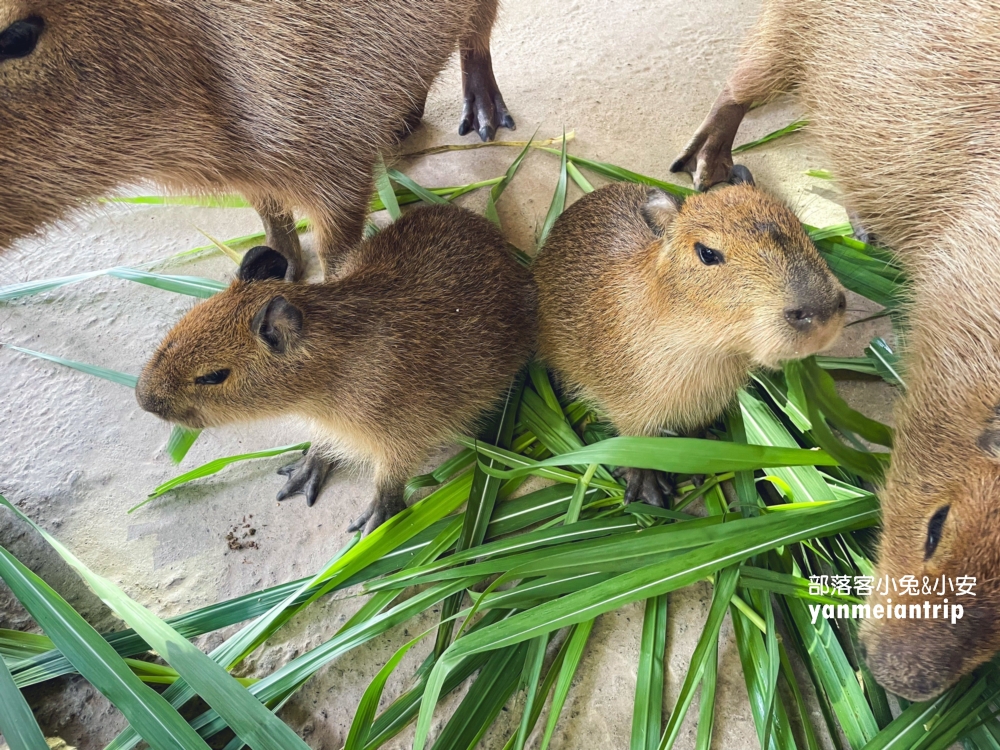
483 110
339 223
279 229
767 67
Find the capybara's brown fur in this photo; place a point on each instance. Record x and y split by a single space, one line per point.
904 97
425 331
655 309
286 102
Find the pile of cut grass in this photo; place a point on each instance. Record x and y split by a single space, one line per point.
525 575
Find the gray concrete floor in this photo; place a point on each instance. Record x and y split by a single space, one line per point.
633 79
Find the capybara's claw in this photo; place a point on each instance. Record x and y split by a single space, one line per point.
305 477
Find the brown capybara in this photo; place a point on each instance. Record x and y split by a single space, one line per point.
917 156
426 329
284 101
655 309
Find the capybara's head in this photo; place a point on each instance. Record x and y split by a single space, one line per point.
235 356
94 95
940 528
739 259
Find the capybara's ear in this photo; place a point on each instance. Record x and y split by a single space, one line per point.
989 439
660 209
278 324
262 263
740 175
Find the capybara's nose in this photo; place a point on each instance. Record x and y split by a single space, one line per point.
801 318
149 400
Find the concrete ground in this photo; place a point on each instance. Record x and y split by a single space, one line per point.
634 80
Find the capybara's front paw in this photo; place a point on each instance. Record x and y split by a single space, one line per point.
381 509
305 477
708 158
648 486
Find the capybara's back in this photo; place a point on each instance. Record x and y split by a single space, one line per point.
284 102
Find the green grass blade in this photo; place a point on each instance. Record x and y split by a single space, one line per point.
202 201
17 723
753 657
763 428
706 708
836 675
460 461
581 182
180 442
533 673
215 466
114 376
398 716
834 230
863 365
385 191
823 391
625 175
679 456
492 688
707 644
768 532
532 542
647 707
482 501
16 646
886 361
577 640
558 204
159 724
790 128
51 663
26 289
859 279
250 720
193 286
418 190
763 602
497 190
361 726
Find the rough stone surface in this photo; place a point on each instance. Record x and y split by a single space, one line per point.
633 79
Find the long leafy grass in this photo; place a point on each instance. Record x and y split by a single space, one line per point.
784 490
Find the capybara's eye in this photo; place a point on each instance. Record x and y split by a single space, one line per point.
934 527
212 378
19 39
708 256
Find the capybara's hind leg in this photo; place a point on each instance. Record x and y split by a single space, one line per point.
483 109
413 118
338 225
279 229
